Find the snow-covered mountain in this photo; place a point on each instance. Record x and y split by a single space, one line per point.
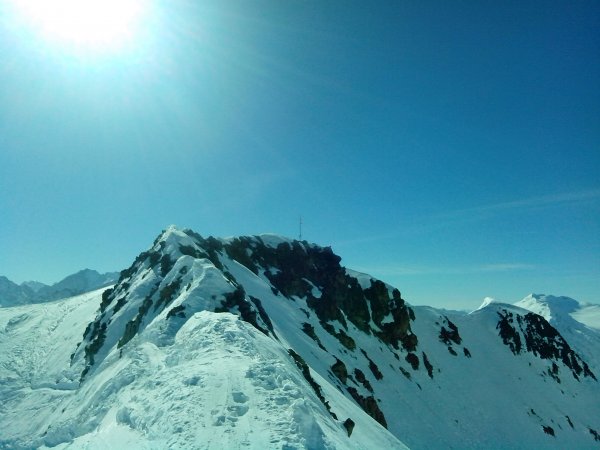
35 286
12 294
578 322
267 342
561 311
85 280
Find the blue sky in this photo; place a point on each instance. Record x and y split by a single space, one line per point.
449 148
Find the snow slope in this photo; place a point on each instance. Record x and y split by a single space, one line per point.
266 342
219 384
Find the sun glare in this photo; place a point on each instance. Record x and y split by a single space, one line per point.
91 24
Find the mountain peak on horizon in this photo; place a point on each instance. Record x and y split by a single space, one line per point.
486 302
85 280
549 306
563 311
175 232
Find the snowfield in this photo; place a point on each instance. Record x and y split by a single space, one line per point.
264 342
219 385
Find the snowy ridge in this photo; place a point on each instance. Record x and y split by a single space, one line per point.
562 309
268 342
578 322
219 385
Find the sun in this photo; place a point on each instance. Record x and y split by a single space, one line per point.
89 24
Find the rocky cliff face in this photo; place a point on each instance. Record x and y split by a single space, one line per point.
532 333
184 273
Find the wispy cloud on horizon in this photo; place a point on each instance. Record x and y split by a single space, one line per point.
561 199
399 270
444 219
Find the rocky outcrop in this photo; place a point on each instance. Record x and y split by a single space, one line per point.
533 334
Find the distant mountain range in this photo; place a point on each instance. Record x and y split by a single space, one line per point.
12 294
264 342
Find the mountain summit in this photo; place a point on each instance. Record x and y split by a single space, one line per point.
578 322
269 342
558 309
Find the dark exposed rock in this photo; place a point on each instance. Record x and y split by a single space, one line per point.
508 333
553 372
192 251
451 334
466 352
548 430
167 294
210 245
97 334
132 327
340 335
369 405
427 365
378 296
398 331
340 371
541 339
262 313
302 266
569 422
120 303
308 377
405 372
374 369
298 263
106 299
238 250
310 331
166 264
413 360
409 342
595 434
349 426
178 311
237 298
360 377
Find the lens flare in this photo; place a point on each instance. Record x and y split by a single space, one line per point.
92 24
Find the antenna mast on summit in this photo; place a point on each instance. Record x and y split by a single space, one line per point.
300 229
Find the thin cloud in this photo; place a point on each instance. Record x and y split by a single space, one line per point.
561 199
503 267
399 270
448 218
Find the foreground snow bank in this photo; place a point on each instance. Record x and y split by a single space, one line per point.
220 384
